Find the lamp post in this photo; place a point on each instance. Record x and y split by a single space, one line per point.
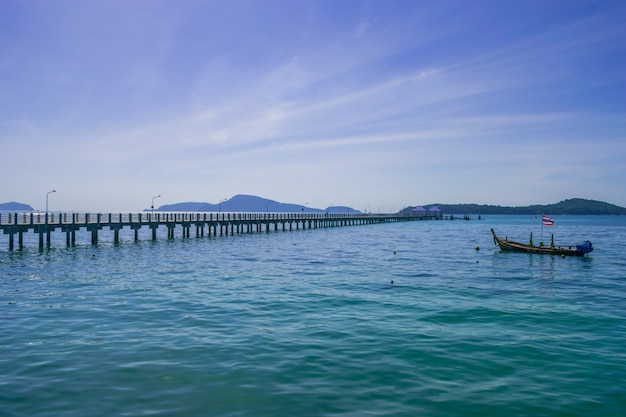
221 201
47 194
47 230
152 207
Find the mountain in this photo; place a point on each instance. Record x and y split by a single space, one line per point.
573 206
13 206
251 204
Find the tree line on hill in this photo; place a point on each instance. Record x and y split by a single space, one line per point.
573 206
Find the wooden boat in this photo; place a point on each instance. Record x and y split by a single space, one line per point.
576 250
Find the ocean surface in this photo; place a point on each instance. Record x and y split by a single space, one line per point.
397 319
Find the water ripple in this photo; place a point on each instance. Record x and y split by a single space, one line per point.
383 321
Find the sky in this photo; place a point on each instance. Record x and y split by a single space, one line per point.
377 105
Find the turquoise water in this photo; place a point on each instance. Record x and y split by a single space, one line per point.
400 319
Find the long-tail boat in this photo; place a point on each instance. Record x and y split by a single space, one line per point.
575 250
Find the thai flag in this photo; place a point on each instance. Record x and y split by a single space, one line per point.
547 221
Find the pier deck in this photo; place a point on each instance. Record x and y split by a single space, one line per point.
44 224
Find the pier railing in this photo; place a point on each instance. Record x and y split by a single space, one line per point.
26 219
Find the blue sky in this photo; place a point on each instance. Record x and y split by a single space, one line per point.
376 105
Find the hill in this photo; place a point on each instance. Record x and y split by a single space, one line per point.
573 206
250 204
17 207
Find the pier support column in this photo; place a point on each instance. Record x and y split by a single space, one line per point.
11 237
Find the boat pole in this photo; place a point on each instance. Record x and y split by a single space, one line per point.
541 240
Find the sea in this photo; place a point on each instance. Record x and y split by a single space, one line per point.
423 318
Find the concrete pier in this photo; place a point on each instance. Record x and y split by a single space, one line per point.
13 224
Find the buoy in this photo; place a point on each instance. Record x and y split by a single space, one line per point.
394 252
477 247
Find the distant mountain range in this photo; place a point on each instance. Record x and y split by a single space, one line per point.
574 206
252 204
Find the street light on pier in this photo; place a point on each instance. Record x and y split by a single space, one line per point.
221 201
152 206
47 194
